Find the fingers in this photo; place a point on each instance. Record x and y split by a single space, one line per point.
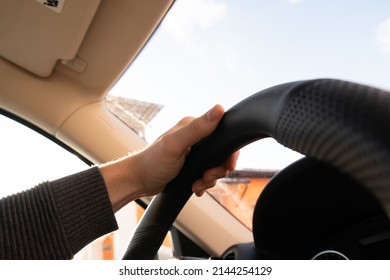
209 179
230 163
178 140
180 124
211 175
197 129
199 188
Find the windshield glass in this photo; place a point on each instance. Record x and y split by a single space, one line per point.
211 51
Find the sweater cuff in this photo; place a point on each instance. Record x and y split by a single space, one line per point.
84 207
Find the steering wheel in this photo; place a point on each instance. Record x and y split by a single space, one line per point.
340 123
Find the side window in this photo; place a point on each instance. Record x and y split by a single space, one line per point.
29 158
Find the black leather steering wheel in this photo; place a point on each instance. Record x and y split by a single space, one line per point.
344 124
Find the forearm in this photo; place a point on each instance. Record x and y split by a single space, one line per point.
55 219
84 207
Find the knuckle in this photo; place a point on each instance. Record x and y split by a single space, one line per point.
195 126
166 144
184 121
215 173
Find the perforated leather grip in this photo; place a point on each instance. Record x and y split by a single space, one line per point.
342 123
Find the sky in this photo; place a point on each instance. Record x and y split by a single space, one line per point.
213 51
28 158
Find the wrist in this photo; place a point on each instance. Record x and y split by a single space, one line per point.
122 183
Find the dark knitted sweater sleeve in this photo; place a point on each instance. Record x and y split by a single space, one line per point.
56 219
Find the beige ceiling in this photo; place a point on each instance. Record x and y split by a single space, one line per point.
85 67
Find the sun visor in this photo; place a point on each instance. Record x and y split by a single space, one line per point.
35 34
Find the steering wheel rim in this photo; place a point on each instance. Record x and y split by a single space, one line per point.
339 122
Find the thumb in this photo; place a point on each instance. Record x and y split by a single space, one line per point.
199 128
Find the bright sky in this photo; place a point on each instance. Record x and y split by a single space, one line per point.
214 51
28 158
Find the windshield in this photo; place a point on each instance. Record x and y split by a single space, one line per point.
210 51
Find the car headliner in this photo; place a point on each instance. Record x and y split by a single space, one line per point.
59 102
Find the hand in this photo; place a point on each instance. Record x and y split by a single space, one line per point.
146 173
162 161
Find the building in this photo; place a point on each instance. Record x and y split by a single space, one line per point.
134 113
